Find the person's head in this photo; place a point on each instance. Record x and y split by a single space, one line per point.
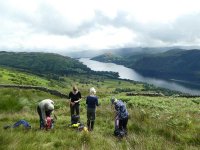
92 91
50 107
113 100
75 89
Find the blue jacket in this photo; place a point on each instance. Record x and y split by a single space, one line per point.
121 109
92 102
23 122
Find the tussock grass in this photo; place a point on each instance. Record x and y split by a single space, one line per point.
149 127
161 123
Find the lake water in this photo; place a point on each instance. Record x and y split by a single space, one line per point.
127 73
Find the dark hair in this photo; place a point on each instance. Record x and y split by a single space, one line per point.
112 100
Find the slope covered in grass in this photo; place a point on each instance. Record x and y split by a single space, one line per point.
166 122
155 123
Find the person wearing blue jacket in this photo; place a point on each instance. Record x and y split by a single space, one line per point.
121 114
91 102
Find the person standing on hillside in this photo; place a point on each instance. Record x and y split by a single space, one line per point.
75 98
121 118
45 109
91 102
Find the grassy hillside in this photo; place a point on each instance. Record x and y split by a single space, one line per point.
167 122
65 83
12 76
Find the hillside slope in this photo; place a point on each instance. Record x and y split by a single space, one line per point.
163 122
173 63
109 57
42 63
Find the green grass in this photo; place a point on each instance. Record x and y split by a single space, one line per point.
175 125
102 85
11 76
163 123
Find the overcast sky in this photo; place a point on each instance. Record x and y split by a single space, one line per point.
69 25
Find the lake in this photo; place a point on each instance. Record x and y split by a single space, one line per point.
127 73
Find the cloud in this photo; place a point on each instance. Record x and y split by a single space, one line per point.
65 25
183 30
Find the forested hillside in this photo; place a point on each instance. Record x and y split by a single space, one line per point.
42 63
109 57
48 64
175 63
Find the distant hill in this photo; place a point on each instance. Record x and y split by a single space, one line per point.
50 64
109 57
126 56
116 51
124 52
172 64
42 63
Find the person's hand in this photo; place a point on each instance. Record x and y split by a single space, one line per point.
45 122
72 103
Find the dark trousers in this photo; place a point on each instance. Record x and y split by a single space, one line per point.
123 124
47 113
74 108
42 124
91 118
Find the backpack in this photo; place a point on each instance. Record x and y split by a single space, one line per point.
75 119
49 124
119 133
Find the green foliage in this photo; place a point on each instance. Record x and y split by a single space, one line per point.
173 64
167 92
12 76
120 90
47 64
42 63
8 102
108 57
178 64
165 122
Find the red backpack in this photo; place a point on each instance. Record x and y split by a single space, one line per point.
49 123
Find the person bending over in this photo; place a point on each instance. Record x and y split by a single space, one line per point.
45 109
121 118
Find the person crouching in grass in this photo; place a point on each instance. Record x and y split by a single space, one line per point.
121 116
45 109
